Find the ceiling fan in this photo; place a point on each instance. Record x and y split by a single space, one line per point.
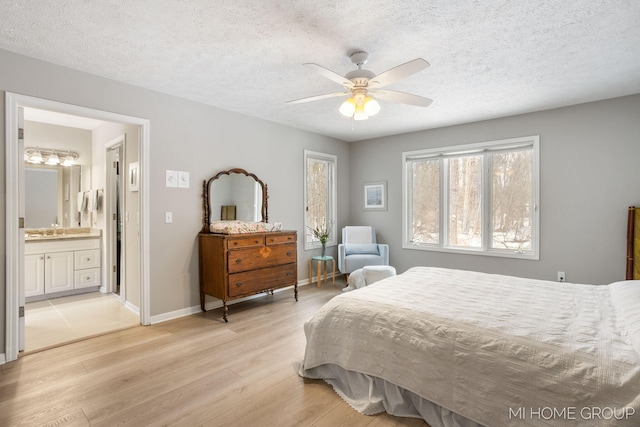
363 87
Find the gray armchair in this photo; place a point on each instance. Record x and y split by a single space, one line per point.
359 249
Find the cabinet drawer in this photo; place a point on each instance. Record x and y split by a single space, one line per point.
243 242
261 257
280 238
251 282
87 259
87 278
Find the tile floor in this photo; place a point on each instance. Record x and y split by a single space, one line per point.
49 323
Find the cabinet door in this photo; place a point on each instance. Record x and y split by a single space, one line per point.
58 272
33 275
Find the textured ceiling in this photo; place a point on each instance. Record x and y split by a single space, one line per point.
489 58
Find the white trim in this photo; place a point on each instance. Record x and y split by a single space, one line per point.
489 147
108 257
212 305
12 102
11 228
333 208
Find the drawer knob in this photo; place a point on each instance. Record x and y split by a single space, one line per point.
238 284
289 253
288 273
235 243
88 259
238 261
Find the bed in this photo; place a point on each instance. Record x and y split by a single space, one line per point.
462 348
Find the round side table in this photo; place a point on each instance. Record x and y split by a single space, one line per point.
322 262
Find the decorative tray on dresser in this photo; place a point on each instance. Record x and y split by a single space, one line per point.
240 258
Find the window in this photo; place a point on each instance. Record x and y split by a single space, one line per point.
478 198
319 196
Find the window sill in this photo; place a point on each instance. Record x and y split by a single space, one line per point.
534 256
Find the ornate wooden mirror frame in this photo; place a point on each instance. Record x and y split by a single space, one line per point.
206 195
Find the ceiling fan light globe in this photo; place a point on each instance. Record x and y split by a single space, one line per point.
371 106
348 107
360 114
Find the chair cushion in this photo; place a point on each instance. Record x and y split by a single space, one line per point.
361 249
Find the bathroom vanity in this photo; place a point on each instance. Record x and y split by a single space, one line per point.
61 264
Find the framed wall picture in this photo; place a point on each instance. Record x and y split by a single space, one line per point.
134 176
375 195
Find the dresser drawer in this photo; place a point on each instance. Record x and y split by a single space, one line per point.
87 259
87 278
260 257
273 239
256 281
243 242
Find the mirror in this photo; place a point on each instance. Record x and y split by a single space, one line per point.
51 195
235 194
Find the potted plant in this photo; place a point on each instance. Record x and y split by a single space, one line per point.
322 232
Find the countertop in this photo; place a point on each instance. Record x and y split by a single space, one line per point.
69 234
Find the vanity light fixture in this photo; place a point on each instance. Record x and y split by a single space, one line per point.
69 160
53 159
49 156
35 156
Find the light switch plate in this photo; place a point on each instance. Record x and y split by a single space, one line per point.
168 217
171 178
183 179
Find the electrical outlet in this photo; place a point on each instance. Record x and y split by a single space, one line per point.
561 276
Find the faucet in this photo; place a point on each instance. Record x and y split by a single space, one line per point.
55 228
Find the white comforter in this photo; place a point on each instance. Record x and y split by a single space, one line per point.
498 350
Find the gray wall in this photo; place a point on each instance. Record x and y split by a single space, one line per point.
589 175
185 136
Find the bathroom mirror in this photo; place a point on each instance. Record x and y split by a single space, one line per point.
235 194
51 194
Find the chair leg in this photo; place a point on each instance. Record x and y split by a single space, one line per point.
346 278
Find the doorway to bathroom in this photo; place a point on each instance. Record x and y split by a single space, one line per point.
68 308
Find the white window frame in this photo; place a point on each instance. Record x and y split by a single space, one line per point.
332 209
473 149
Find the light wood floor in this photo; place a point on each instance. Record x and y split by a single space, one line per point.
193 371
52 322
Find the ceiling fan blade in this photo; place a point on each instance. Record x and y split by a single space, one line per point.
331 75
402 98
318 97
399 72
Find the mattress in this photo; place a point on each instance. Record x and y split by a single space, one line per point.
495 350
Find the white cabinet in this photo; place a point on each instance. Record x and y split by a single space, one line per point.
58 272
61 266
87 268
33 275
48 273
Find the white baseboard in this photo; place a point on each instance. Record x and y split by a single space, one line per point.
211 305
3 359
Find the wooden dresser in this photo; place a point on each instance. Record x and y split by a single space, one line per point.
234 266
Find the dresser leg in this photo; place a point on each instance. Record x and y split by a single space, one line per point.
225 310
295 290
202 301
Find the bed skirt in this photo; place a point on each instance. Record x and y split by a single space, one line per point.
371 395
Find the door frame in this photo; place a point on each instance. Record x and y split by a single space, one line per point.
13 158
110 210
